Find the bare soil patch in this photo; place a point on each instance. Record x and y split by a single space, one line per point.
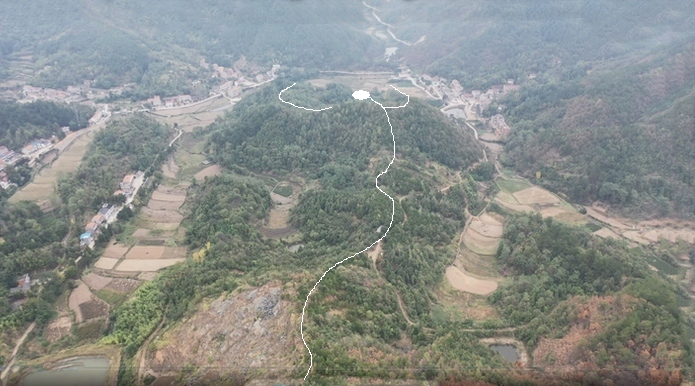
141 232
96 282
78 296
278 233
95 308
463 282
166 226
278 219
374 253
145 252
601 216
479 265
281 200
480 244
161 196
147 276
635 236
251 329
175 252
552 211
535 195
173 190
134 265
209 171
161 215
106 263
607 233
170 168
486 229
57 329
171 206
115 251
122 285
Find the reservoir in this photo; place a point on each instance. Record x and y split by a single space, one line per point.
81 371
507 351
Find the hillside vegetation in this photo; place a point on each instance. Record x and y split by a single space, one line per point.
620 135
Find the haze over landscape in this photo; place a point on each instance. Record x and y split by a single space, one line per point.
164 215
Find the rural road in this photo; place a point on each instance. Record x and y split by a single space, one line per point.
5 372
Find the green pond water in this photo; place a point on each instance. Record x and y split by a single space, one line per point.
507 351
86 371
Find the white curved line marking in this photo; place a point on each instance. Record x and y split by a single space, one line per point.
376 182
299 107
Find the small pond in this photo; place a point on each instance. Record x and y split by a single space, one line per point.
507 351
295 248
84 371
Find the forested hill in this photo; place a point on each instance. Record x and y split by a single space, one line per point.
486 42
21 123
115 42
267 135
624 136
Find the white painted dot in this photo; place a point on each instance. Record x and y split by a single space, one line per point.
360 95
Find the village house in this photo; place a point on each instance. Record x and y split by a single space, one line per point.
91 227
87 240
127 184
37 146
23 284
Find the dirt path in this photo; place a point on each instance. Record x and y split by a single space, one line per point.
143 349
400 305
19 344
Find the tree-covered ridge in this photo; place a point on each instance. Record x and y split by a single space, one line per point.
122 147
23 122
623 136
485 43
266 135
554 265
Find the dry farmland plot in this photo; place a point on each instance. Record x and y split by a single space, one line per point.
169 197
164 205
175 252
79 295
140 252
170 168
96 282
487 226
140 232
209 171
480 244
464 282
106 263
535 195
94 308
161 216
68 161
57 329
607 233
122 286
115 251
481 265
134 265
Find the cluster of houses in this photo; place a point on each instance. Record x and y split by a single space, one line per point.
76 93
175 101
32 151
235 81
109 212
501 128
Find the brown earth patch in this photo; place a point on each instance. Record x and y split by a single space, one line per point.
147 276
464 282
161 215
170 169
122 285
480 244
591 318
95 308
252 329
96 282
281 200
106 263
161 196
607 233
535 195
78 296
209 171
552 211
134 265
278 233
115 251
173 190
164 205
57 329
601 216
146 252
514 207
635 236
141 232
175 252
486 229
278 219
